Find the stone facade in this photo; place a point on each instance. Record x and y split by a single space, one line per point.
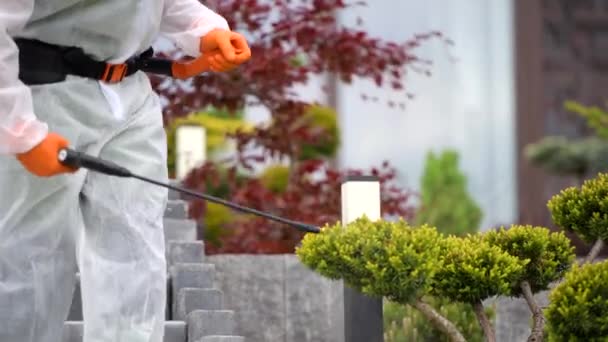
276 298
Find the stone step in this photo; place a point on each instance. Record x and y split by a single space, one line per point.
175 331
176 209
202 323
185 252
75 313
72 331
191 275
174 195
217 338
191 299
179 230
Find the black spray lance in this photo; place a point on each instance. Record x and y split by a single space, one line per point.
77 159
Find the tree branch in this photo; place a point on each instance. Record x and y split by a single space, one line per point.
594 252
440 322
537 313
484 322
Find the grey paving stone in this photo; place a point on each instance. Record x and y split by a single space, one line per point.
174 195
190 299
203 323
254 287
191 275
179 230
223 339
307 299
185 252
175 331
176 209
72 331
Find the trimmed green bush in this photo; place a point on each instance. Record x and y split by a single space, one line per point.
445 200
474 270
275 178
547 256
578 309
583 210
403 323
447 205
386 259
216 219
325 118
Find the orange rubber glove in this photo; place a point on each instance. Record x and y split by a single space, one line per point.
232 47
43 159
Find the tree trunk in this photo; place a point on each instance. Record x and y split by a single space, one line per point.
537 313
594 252
440 322
484 322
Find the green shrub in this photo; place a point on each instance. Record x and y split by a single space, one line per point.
547 255
275 178
386 259
217 217
578 309
324 118
583 210
578 157
447 205
597 118
563 156
474 270
403 323
445 201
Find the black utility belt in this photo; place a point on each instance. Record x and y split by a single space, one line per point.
43 63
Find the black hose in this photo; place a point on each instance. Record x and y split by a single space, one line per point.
77 159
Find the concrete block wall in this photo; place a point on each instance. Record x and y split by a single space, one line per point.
276 298
294 304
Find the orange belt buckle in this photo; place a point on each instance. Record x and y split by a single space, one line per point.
114 73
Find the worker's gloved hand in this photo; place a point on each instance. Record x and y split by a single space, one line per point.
42 160
226 49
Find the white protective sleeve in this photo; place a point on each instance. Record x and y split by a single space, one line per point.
19 128
186 21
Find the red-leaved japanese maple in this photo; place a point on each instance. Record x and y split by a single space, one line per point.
291 41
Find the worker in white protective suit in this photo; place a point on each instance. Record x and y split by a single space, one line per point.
54 220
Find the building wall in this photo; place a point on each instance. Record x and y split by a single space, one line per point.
561 56
467 103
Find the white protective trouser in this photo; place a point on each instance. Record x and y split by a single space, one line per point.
111 227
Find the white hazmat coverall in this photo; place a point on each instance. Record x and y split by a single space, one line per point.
108 227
